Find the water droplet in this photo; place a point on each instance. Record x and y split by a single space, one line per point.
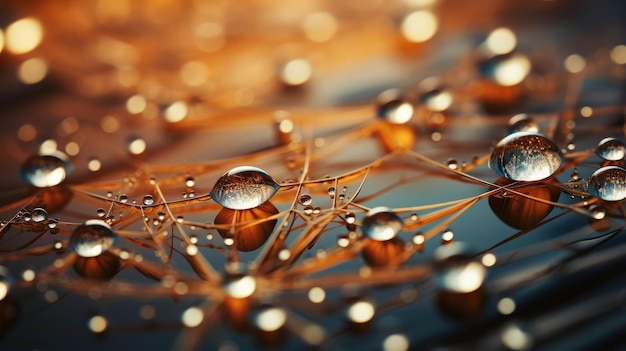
306 199
350 218
522 123
392 107
331 192
109 194
5 282
456 270
244 188
271 319
26 216
611 149
190 182
241 287
525 156
161 215
148 200
608 183
308 210
597 212
434 96
39 215
100 212
92 238
453 164
506 70
516 337
52 223
381 224
45 171
123 198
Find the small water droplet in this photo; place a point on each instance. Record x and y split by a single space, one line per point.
381 224
522 123
26 216
52 223
525 156
597 212
306 199
148 200
611 149
434 95
453 164
161 215
45 171
100 212
506 70
608 183
190 182
308 210
92 238
392 107
244 188
123 198
109 194
39 215
456 270
350 218
331 192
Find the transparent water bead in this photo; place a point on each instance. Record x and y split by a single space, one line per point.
39 215
381 224
611 149
45 171
522 123
525 156
6 282
244 188
392 107
608 183
92 238
456 270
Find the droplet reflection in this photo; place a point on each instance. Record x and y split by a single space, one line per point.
244 188
608 183
525 156
92 238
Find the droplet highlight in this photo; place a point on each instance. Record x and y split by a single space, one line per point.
525 156
611 149
608 183
381 224
45 171
92 238
244 188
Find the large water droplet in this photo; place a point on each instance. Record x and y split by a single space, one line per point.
392 107
526 157
45 171
608 183
611 149
92 238
39 215
456 271
381 224
244 188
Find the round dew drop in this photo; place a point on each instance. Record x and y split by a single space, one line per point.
92 238
381 224
243 188
45 171
608 183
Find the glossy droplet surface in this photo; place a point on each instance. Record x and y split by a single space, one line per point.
381 224
392 107
455 269
39 215
525 156
522 123
45 171
608 183
92 238
611 149
148 200
244 188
